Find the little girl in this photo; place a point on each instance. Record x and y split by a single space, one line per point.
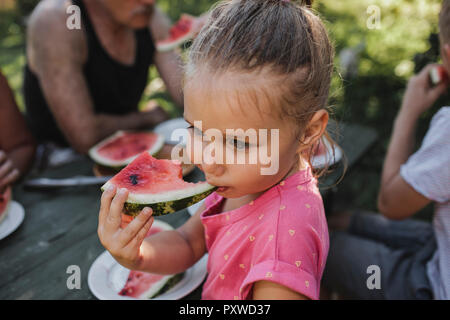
257 64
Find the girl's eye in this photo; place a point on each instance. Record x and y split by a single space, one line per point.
196 131
239 145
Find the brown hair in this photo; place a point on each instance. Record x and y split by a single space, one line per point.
285 37
444 22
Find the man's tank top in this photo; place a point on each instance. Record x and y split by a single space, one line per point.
114 88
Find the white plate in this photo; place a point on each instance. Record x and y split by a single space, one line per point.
13 219
167 129
193 209
329 158
107 277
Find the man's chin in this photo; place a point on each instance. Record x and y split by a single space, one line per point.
140 21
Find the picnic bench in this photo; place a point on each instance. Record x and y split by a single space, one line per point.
60 228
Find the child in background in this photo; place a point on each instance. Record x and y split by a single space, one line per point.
17 146
256 64
413 256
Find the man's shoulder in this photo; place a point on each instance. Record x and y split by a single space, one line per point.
49 35
49 21
49 13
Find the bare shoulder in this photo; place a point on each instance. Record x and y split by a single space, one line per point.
49 16
47 33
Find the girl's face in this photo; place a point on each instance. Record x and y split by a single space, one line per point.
232 101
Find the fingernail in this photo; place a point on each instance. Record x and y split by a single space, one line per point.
123 191
110 188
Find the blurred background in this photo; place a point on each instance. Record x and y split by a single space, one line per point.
379 46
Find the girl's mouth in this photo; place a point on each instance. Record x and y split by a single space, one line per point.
221 189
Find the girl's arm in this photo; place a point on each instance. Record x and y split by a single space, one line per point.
266 290
396 198
171 252
166 252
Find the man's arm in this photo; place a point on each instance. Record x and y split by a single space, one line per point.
169 64
396 198
17 146
57 59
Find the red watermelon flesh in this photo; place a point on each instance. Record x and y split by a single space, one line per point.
138 283
438 74
181 28
180 32
127 146
158 184
149 175
126 219
5 198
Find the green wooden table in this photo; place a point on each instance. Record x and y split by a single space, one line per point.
60 229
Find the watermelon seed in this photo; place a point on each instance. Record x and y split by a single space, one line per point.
134 179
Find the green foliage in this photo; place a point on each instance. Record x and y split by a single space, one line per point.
174 8
12 58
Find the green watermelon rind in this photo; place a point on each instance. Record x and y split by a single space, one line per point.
166 202
117 165
170 283
171 44
165 46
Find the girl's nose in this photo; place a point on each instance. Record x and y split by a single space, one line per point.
213 169
212 162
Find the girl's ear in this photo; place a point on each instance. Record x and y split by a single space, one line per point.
315 128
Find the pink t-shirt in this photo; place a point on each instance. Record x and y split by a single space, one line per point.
282 237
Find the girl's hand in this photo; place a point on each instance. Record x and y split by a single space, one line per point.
123 244
8 172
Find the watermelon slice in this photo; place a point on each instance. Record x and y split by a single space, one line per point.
143 285
157 184
123 147
180 32
438 75
5 199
